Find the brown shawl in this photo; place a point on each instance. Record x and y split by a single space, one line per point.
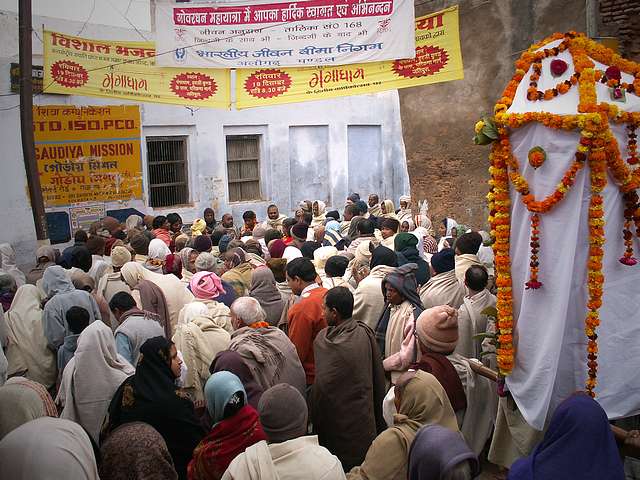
153 301
440 367
346 399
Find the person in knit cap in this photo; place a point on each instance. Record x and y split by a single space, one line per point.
287 451
112 283
436 333
472 397
443 287
210 289
277 248
299 233
346 398
402 308
140 245
202 243
206 262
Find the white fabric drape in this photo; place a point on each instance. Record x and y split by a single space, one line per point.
551 344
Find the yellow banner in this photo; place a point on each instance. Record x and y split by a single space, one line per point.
438 59
88 154
115 69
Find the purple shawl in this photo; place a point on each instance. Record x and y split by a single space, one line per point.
436 450
231 361
578 444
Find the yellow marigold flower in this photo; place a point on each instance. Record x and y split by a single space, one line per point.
479 126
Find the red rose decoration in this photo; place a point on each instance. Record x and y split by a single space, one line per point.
613 73
558 67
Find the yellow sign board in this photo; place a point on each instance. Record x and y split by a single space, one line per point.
438 59
88 154
118 69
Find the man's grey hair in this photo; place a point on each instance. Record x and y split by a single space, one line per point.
248 310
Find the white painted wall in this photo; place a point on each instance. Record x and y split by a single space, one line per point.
305 147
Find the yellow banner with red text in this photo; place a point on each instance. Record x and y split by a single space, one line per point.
88 154
119 69
438 59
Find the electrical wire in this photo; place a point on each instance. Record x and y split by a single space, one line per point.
84 25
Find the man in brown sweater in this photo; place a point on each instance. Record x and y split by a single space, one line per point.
306 317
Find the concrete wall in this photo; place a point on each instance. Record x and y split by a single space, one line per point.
444 165
308 150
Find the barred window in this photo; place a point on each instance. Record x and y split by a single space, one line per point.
168 172
243 167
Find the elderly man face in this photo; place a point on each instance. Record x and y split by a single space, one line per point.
373 200
227 220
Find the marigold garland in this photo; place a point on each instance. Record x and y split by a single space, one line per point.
597 146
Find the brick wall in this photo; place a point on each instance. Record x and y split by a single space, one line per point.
621 19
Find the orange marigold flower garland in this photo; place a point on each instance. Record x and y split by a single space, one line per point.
631 205
533 282
500 221
597 141
598 176
533 93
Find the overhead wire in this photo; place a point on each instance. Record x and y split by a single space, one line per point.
157 54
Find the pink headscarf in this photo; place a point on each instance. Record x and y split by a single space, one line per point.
206 285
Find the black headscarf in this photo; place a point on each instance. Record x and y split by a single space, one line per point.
383 256
403 279
151 396
81 258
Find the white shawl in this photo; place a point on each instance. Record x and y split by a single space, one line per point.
285 461
8 264
200 339
443 289
175 292
472 322
27 349
91 378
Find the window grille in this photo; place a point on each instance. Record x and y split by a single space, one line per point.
168 172
243 167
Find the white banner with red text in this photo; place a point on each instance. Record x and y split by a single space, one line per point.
283 33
